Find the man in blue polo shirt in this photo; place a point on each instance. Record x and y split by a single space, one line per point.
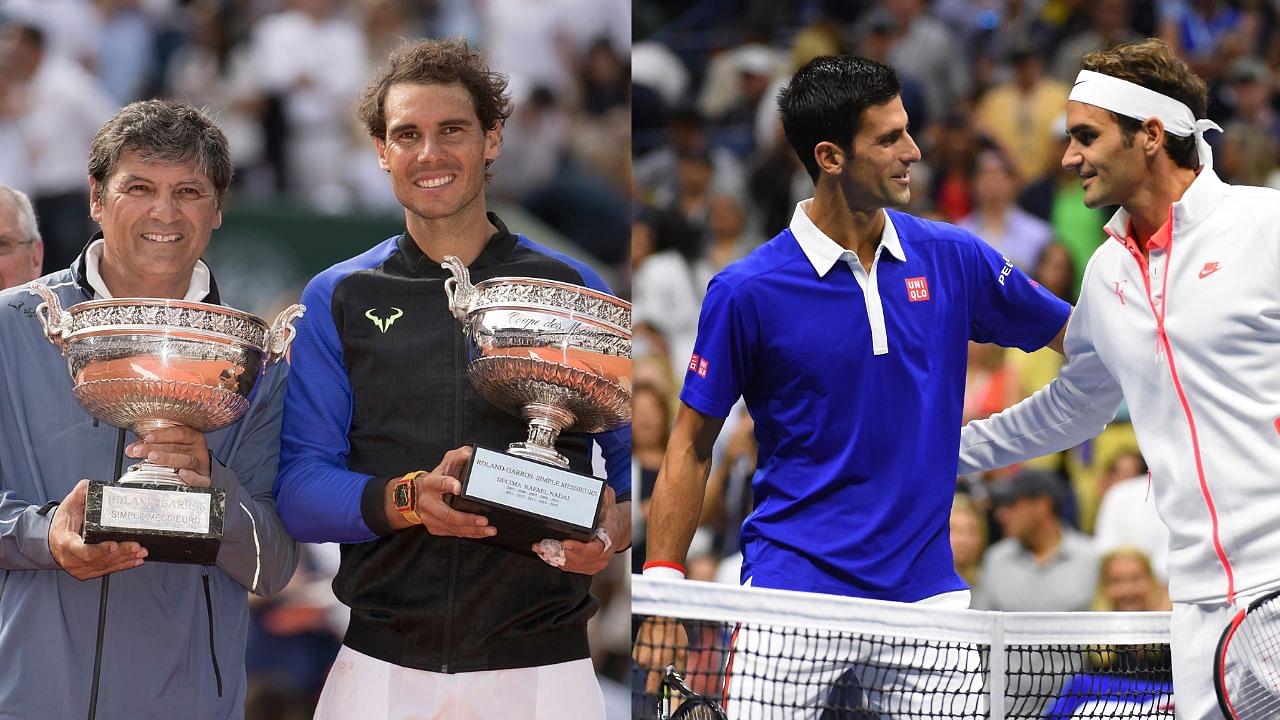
847 336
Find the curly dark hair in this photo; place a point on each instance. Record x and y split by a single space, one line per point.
436 62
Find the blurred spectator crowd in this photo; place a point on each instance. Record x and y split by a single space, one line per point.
281 77
985 84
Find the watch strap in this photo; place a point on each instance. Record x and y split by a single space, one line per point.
405 496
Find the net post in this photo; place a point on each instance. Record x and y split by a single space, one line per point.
996 667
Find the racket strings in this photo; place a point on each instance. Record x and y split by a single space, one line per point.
1252 674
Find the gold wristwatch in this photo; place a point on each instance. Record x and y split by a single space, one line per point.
404 495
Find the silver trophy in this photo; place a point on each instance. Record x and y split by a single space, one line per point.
557 355
150 363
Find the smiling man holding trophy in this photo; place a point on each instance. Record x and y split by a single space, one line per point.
134 336
409 382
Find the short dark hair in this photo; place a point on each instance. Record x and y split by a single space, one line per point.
1152 64
162 131
437 62
825 99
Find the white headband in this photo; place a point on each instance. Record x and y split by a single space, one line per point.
1133 100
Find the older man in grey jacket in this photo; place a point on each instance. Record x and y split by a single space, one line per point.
174 634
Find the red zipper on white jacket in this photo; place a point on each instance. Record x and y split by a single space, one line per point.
1163 339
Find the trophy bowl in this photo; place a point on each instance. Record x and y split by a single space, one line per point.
559 356
554 353
149 363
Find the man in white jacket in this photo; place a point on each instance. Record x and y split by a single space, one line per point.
1179 313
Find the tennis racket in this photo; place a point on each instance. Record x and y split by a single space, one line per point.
1246 666
694 707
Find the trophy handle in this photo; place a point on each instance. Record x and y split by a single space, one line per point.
56 323
282 333
459 290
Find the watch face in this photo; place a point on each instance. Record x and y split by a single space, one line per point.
403 495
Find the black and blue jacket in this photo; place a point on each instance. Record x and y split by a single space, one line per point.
378 388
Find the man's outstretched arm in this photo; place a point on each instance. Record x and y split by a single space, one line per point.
682 480
1074 407
673 518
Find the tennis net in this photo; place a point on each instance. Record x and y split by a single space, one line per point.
764 654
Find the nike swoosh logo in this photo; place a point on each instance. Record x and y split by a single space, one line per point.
1208 270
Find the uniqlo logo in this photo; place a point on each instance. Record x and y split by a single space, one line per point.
917 289
698 365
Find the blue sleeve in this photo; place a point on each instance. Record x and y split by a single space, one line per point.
317 496
1006 307
723 355
616 448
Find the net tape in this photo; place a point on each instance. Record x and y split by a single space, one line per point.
790 655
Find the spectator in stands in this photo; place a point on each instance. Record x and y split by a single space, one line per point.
650 424
991 384
1127 512
211 70
1040 565
655 174
1014 232
1108 25
1126 583
21 250
968 538
1203 32
729 498
126 50
921 50
56 108
311 58
955 148
1248 146
667 287
727 228
693 188
1019 114
1055 270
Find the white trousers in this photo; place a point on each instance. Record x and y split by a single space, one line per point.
1193 639
782 673
363 688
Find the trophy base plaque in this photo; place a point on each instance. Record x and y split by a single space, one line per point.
175 523
528 501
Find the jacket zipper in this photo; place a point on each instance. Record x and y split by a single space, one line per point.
1162 340
453 542
213 653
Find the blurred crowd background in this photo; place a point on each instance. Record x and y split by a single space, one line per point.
985 84
281 77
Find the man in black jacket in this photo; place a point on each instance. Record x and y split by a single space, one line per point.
439 623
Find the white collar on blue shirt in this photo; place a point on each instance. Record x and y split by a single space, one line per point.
823 252
196 291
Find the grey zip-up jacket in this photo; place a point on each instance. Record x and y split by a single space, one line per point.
175 634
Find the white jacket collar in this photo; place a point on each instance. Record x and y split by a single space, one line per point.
1196 203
